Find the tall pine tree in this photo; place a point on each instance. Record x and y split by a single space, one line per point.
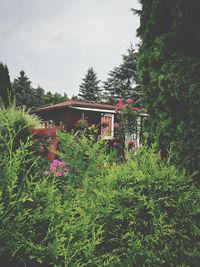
169 72
122 81
89 89
5 84
22 90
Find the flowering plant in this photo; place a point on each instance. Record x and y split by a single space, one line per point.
127 116
58 168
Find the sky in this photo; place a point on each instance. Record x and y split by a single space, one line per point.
56 41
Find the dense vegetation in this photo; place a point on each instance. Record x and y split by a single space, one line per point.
169 73
5 84
88 210
95 205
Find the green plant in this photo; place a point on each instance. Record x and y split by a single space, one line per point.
149 213
84 157
16 121
168 68
39 226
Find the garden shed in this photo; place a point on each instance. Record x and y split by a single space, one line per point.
74 114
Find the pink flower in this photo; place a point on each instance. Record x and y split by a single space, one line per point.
129 101
61 164
52 168
116 125
57 167
131 144
119 105
116 110
136 109
59 173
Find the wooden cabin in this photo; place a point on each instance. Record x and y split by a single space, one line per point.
72 113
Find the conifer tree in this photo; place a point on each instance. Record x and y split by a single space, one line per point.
5 84
122 80
169 72
52 99
89 89
23 91
38 97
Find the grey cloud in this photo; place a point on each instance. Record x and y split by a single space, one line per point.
56 41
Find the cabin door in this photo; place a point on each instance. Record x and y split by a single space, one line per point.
107 125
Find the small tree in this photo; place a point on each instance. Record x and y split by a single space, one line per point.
5 84
89 88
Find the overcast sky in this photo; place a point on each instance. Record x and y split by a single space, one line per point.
56 41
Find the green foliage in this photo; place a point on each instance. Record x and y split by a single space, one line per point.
14 120
141 213
39 226
22 90
5 84
52 99
85 157
168 70
89 88
33 98
149 213
38 97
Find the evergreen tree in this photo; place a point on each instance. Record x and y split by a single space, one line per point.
22 90
38 97
75 98
89 89
169 71
122 80
52 99
5 84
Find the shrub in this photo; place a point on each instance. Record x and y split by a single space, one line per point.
16 122
149 214
38 225
139 213
84 157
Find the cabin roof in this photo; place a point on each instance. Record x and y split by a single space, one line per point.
76 104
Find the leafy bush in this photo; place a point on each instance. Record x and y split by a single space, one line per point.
38 226
149 214
16 122
85 157
139 213
168 69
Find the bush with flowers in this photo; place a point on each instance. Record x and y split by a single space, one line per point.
86 210
126 121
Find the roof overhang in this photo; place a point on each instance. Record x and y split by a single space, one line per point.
94 109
